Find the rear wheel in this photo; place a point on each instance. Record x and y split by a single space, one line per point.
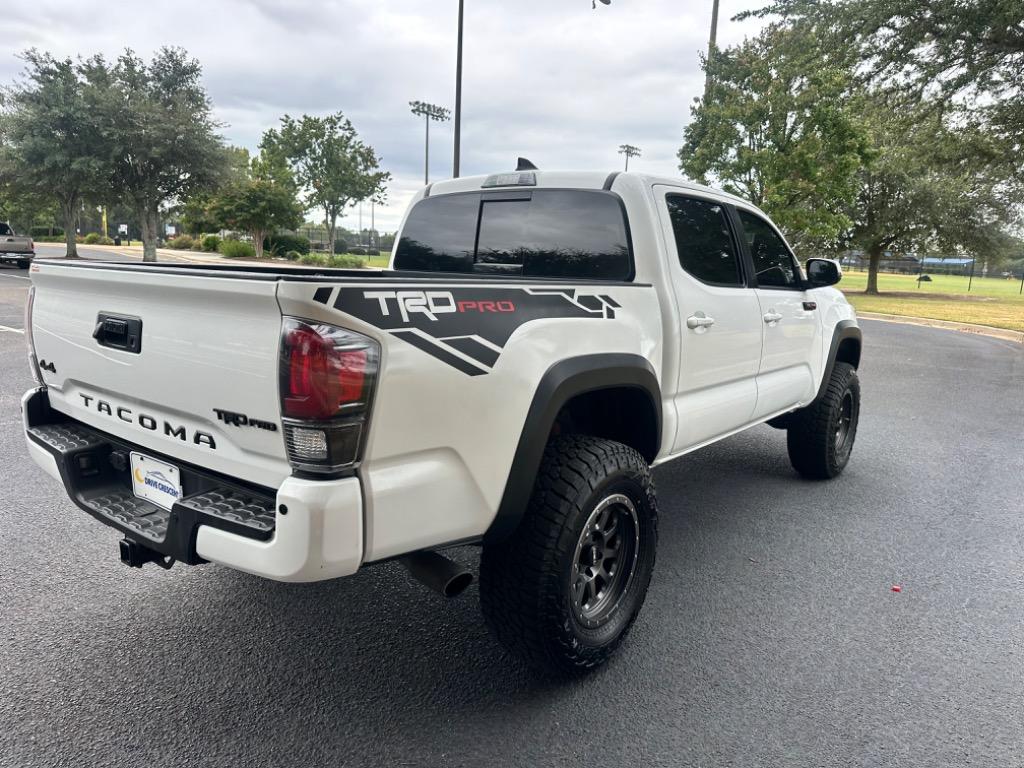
564 589
24 264
820 437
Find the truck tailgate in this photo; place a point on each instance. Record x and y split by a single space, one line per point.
207 343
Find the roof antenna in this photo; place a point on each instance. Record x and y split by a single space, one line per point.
526 165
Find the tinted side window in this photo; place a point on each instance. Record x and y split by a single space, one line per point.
773 264
544 233
439 235
703 240
4 229
574 233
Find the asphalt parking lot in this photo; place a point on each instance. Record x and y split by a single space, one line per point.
771 634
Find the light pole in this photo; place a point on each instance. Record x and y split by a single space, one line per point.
712 40
712 48
458 85
629 151
458 97
429 112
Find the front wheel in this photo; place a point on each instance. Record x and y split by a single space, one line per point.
820 437
563 590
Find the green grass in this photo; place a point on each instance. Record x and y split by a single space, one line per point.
991 301
346 260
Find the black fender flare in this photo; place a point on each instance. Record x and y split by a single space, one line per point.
845 329
560 383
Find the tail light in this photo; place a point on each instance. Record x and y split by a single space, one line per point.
30 340
31 244
327 378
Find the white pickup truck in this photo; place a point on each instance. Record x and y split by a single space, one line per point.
540 341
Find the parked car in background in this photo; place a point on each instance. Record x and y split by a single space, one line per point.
15 249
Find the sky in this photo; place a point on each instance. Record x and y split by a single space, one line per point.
551 80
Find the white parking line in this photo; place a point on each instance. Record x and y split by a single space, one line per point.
16 277
10 330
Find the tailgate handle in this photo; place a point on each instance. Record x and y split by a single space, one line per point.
119 332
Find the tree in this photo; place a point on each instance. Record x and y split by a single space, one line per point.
24 208
194 212
257 206
331 165
774 127
52 146
929 184
971 50
162 137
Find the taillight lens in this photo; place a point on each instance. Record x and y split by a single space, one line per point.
327 379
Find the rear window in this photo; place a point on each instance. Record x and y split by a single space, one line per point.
5 230
541 233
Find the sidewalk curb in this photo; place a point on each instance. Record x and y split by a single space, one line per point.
981 330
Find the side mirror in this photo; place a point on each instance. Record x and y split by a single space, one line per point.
823 272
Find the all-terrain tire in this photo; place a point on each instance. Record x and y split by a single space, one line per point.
538 590
820 437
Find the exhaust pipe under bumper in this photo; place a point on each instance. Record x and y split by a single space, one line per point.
438 572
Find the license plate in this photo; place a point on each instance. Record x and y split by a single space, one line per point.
155 481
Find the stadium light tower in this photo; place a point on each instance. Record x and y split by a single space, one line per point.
629 151
429 112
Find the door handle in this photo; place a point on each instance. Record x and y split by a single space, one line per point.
772 316
699 320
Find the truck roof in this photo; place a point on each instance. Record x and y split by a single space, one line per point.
577 180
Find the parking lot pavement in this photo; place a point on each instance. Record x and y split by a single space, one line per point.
771 634
14 285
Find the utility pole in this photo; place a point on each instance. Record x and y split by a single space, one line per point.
629 151
429 112
712 41
712 48
458 97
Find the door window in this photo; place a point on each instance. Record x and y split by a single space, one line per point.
774 265
704 241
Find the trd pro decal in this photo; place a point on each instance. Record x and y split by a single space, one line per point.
455 323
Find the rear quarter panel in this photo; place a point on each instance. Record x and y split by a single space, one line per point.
457 381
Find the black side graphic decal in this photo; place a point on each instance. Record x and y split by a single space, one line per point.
459 323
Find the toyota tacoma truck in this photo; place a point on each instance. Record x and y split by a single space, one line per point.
15 249
540 341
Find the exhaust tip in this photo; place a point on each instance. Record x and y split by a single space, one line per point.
457 585
436 571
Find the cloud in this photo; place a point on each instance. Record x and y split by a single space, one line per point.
549 79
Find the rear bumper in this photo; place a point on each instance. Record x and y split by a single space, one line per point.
305 531
26 256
